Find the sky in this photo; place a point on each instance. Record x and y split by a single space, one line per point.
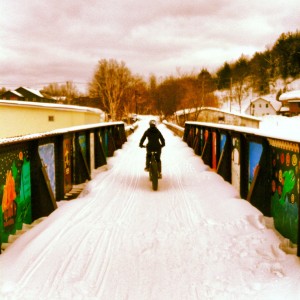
61 40
193 238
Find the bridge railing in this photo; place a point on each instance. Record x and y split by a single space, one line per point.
178 130
37 170
264 168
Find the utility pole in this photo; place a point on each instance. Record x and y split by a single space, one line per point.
136 105
230 96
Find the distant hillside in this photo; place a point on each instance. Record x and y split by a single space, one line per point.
280 86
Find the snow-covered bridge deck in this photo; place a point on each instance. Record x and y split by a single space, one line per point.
194 238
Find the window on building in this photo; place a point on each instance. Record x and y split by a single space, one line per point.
51 118
267 105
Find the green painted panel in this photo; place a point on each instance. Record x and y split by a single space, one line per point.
15 191
285 188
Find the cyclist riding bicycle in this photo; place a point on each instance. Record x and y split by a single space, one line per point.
155 142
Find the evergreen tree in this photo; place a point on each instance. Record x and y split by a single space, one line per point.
224 76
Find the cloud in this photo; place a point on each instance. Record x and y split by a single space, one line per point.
61 40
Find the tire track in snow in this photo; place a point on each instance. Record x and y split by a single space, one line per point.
113 233
182 200
108 217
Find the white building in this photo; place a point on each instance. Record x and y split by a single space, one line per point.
262 106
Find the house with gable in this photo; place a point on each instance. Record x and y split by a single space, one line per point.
33 95
263 106
12 95
26 94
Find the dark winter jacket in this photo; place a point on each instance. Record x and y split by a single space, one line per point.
155 139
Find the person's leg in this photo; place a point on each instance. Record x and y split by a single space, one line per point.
148 157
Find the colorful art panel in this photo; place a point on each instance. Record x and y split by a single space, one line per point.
67 153
201 139
214 150
223 139
92 151
285 187
47 156
255 152
82 143
15 191
235 163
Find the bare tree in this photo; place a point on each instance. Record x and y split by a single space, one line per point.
134 97
241 72
110 82
66 91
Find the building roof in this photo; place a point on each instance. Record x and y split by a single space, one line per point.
17 93
50 105
13 92
292 95
294 101
35 92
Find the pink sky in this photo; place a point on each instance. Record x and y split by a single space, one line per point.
61 40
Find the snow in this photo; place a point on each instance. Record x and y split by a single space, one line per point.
281 127
36 92
194 238
292 95
225 109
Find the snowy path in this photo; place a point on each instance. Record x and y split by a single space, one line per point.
192 239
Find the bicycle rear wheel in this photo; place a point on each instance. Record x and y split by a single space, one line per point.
154 175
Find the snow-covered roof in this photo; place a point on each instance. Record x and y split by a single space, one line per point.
17 93
191 110
284 109
59 98
36 92
292 95
51 105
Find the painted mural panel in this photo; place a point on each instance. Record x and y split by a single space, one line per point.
202 139
47 156
214 150
102 136
67 153
235 163
15 191
196 143
92 151
285 187
255 152
82 143
223 139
